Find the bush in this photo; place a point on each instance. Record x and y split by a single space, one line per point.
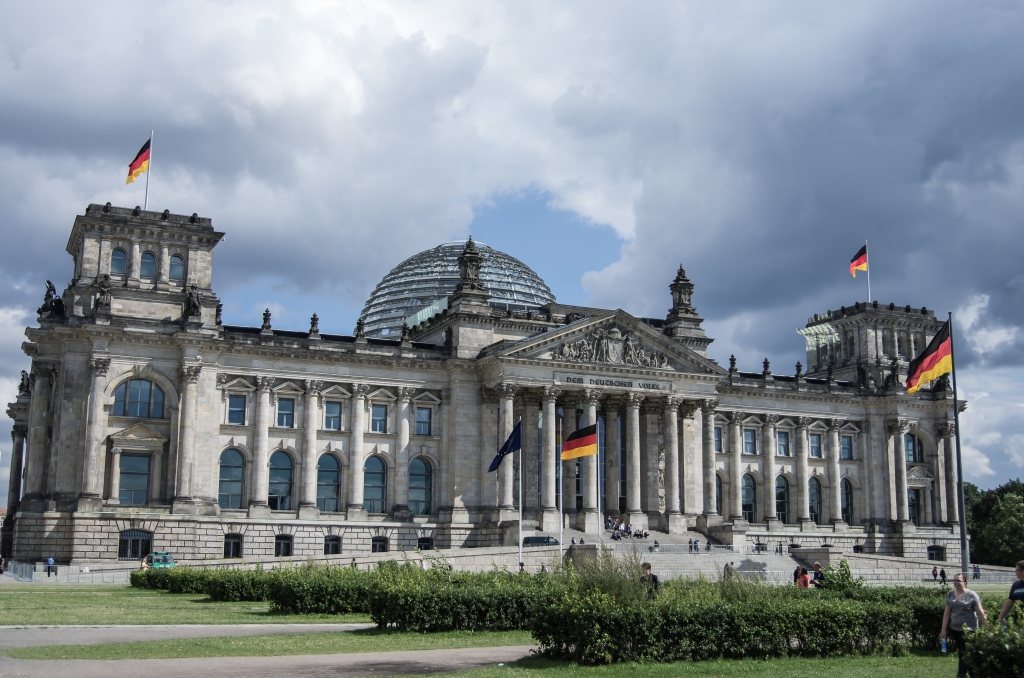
137 579
319 589
187 579
239 585
996 651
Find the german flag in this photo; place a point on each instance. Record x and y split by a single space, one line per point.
581 443
936 361
859 261
140 164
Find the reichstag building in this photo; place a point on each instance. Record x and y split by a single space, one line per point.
147 424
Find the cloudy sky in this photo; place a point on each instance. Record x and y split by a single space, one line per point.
603 144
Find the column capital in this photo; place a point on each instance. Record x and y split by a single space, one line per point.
360 390
99 366
405 393
506 389
116 451
945 428
633 400
708 406
446 396
263 384
551 394
898 426
313 387
190 373
737 417
611 403
488 396
591 397
802 423
771 420
688 408
672 402
834 425
19 430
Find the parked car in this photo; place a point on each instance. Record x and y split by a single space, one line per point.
540 541
160 559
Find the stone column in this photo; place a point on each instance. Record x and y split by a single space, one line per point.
898 427
134 262
634 515
590 521
947 431
708 445
38 415
531 455
96 428
670 420
736 466
802 476
612 462
115 476
400 511
549 462
164 273
183 500
310 409
834 478
569 467
354 509
770 446
448 494
506 472
17 460
156 481
261 471
939 489
691 464
490 444
104 262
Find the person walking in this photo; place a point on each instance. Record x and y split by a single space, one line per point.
726 572
796 574
804 580
1016 592
50 567
690 544
696 546
935 575
942 576
708 547
962 613
818 578
977 572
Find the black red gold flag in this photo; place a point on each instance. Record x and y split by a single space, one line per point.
581 443
859 261
936 361
140 164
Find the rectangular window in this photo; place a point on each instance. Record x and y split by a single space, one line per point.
282 546
783 444
847 444
332 546
285 413
718 439
749 441
332 416
233 546
423 421
236 409
815 445
134 489
379 418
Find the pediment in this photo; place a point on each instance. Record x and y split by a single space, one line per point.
918 473
237 385
616 339
138 433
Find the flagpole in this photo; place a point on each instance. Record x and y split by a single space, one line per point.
964 555
149 172
867 260
520 499
561 507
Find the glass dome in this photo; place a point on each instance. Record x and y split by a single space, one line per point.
419 287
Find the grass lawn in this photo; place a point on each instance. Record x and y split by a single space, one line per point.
109 604
926 665
344 642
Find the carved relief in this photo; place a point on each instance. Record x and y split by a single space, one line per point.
611 347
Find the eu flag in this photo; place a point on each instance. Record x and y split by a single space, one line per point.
514 442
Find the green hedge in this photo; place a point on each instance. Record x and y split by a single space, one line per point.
320 589
239 585
997 651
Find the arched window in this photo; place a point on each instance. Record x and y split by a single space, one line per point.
118 262
134 545
232 480
814 499
718 494
419 487
139 398
177 271
328 483
782 499
148 268
375 485
847 500
914 505
749 499
282 472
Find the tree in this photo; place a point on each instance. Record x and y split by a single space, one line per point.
996 524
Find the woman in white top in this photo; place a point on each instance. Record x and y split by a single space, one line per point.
963 610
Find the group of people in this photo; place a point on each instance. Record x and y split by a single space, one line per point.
694 546
805 580
621 530
964 611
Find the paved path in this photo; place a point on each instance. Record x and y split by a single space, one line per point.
28 636
301 666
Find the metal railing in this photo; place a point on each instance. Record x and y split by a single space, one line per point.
67 574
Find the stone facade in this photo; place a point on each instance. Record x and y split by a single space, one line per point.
143 413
